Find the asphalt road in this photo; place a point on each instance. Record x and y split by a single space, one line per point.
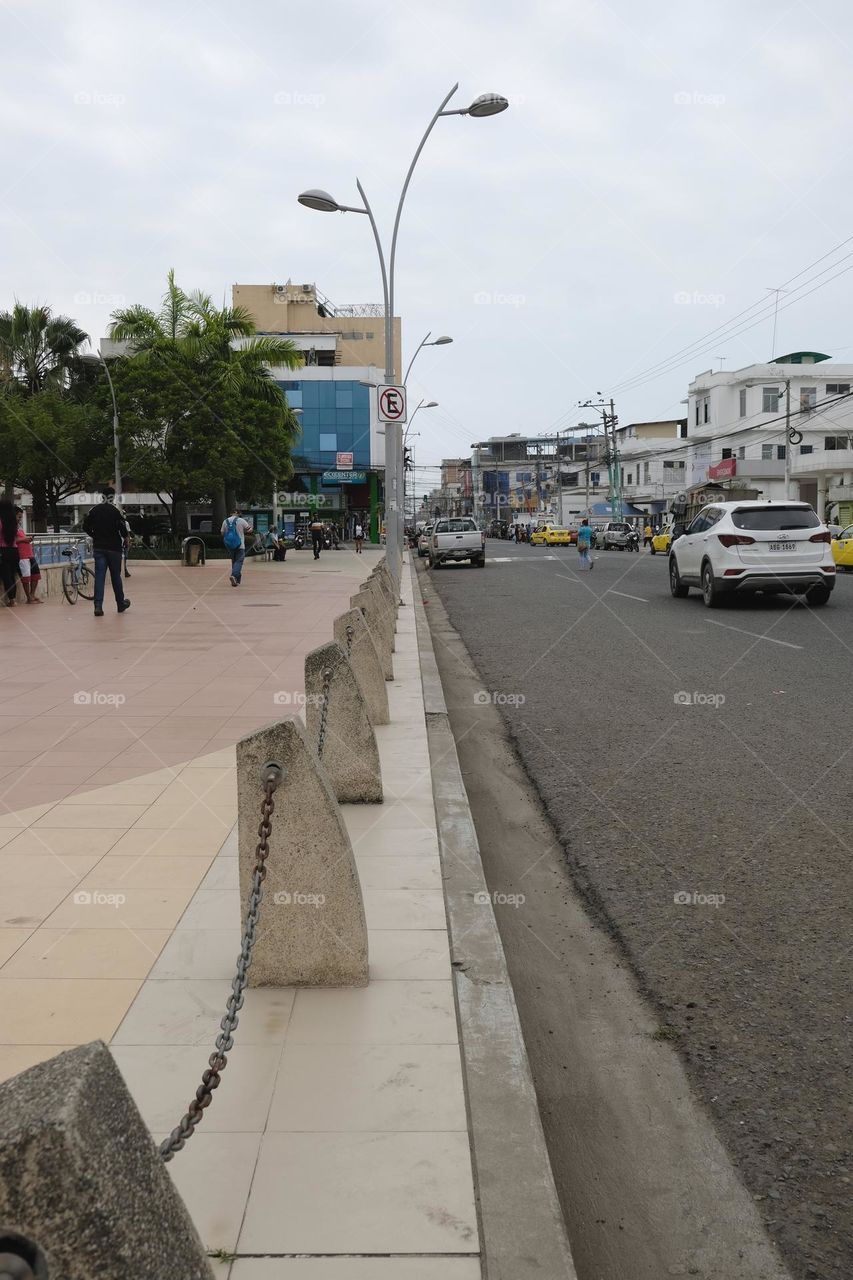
696 765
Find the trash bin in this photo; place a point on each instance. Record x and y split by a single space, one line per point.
192 551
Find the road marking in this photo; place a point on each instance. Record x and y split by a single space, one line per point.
755 634
642 599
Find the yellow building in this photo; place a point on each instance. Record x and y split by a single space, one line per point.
353 334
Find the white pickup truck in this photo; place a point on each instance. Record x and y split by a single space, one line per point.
457 538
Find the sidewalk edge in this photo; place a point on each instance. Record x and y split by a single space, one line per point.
523 1234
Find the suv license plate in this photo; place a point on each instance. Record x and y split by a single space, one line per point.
783 546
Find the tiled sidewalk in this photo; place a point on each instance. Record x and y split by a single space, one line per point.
339 1132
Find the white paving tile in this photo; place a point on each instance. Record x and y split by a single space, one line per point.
361 1193
383 1013
213 1174
199 953
408 953
382 1088
188 1011
164 1078
356 1269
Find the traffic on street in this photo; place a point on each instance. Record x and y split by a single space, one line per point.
694 763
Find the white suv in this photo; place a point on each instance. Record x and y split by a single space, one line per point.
754 546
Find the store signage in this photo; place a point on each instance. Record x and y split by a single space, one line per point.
723 470
344 477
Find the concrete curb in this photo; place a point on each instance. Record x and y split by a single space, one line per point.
521 1225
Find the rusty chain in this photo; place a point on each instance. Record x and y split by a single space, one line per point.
324 711
271 776
350 633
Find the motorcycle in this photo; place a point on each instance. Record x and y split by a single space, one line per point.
298 541
633 543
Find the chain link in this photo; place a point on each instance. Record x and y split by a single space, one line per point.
217 1062
350 633
324 711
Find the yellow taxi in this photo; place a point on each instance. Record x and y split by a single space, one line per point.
550 536
662 541
842 549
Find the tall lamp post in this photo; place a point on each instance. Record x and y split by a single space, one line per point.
487 104
97 358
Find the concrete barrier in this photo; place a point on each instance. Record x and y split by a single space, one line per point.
384 597
377 625
339 725
351 633
312 930
82 1186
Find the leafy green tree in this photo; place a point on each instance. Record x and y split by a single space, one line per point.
53 447
208 441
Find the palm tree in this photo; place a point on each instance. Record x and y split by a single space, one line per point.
220 344
37 349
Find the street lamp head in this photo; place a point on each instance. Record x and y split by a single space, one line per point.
488 104
440 342
431 404
317 199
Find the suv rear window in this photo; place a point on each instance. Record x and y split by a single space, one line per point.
455 526
769 518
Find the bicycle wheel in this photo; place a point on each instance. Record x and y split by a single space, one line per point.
86 583
69 584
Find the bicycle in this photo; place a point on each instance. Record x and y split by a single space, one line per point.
77 577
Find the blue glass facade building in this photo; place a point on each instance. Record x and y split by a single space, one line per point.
335 419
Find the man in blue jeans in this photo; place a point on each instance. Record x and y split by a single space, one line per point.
235 527
107 528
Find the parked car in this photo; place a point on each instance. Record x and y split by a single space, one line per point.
842 549
662 541
550 536
457 539
615 535
773 546
423 540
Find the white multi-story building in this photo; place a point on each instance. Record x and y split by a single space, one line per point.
736 429
652 462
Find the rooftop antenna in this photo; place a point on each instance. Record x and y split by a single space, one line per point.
721 359
772 289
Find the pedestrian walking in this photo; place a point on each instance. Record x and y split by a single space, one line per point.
647 535
317 532
10 559
359 538
585 545
108 530
234 529
28 566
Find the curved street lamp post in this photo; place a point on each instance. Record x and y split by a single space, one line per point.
487 104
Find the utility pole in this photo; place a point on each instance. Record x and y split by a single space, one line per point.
609 421
788 437
559 484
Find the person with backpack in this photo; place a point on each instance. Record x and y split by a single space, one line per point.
234 529
585 545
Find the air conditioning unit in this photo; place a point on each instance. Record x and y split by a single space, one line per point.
280 288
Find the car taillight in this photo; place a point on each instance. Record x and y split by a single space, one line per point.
735 539
821 537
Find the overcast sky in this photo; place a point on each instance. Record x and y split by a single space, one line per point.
660 167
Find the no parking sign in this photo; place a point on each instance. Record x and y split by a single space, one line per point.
392 404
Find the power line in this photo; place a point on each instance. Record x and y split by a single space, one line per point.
715 335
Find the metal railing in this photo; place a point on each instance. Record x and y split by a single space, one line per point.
49 547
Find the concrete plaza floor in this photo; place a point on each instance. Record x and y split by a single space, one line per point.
337 1146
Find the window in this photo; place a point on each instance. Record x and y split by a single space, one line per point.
835 442
808 399
806 448
673 466
697 413
682 431
727 453
766 452
646 470
837 388
770 399
775 517
743 402
328 443
630 477
741 453
707 408
780 451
